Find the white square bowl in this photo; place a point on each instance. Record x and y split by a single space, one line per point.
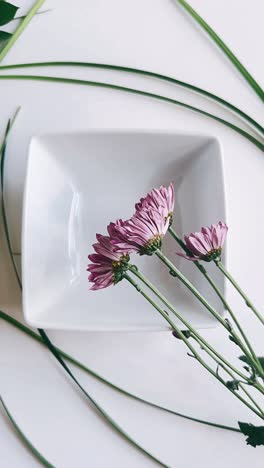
76 184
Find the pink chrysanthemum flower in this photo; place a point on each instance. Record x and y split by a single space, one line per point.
108 266
143 233
206 245
161 199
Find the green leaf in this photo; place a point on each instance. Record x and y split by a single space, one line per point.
230 328
246 360
186 333
7 12
255 434
232 385
233 340
4 38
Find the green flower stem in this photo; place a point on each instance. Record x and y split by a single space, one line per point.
187 343
150 74
99 408
206 304
249 304
21 28
194 332
86 369
55 79
219 294
24 439
244 72
240 383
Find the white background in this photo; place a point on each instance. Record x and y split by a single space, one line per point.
156 35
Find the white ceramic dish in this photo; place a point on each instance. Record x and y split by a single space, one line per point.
77 183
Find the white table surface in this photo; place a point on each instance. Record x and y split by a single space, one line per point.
156 35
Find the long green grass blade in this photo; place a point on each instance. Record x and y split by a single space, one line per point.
150 74
244 72
3 210
21 28
24 439
56 79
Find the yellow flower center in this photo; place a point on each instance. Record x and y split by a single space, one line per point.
152 245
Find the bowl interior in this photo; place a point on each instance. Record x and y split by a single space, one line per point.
76 184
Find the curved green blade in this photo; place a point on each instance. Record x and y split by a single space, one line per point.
244 72
56 79
150 74
25 440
